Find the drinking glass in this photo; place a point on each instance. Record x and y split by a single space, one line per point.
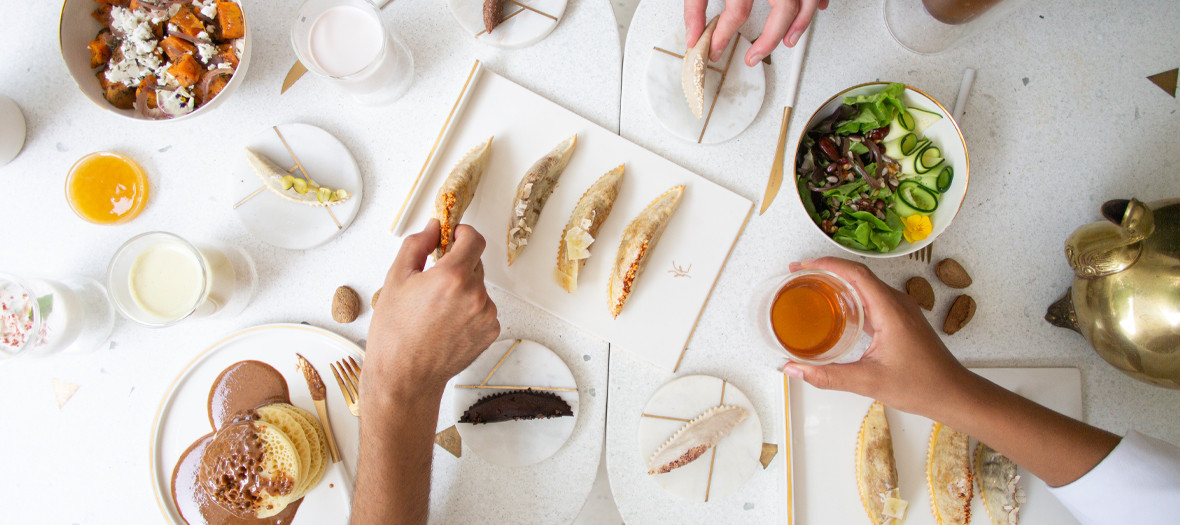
845 315
43 316
346 42
932 26
159 279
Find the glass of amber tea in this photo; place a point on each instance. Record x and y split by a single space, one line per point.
814 316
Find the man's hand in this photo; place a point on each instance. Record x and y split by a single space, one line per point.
429 325
786 21
906 366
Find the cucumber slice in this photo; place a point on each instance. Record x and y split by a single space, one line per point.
923 119
909 144
897 149
907 120
917 197
945 177
928 158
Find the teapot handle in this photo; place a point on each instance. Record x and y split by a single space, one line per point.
1098 250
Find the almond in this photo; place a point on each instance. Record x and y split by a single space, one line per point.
376 295
952 274
961 312
346 305
920 289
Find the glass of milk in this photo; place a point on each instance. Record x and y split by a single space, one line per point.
43 316
346 42
159 279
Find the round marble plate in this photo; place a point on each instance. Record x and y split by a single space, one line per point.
738 103
519 26
515 443
287 224
736 457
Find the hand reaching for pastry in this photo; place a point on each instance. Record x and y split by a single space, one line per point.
786 21
430 325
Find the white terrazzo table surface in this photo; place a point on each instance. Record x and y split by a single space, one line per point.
1061 119
88 461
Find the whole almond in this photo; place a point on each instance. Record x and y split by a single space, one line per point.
376 295
920 289
952 274
346 305
961 312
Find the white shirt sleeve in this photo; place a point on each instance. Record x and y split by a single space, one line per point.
1138 482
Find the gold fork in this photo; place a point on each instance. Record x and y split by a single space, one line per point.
923 254
348 375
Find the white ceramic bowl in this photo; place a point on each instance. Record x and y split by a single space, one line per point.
76 28
945 134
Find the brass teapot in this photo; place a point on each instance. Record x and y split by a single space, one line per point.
1125 298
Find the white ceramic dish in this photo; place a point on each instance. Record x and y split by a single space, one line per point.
944 133
291 225
524 22
721 470
737 105
183 417
515 443
77 27
668 297
826 422
12 130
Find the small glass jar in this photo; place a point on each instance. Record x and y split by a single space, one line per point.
931 26
39 317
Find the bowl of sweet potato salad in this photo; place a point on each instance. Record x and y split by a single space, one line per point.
155 59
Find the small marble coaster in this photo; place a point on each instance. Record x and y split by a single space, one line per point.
519 364
523 22
719 471
742 89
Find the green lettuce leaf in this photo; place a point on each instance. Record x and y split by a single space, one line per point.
875 110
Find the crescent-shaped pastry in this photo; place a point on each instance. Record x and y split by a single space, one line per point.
692 73
999 485
290 187
516 405
639 239
948 475
876 471
591 211
532 192
456 193
695 438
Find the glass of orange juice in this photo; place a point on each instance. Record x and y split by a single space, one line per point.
813 316
106 188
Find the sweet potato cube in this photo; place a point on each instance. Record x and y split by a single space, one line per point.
227 54
102 14
216 84
176 48
229 17
187 22
100 53
187 71
151 100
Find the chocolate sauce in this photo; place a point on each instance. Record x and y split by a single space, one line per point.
236 392
243 386
232 466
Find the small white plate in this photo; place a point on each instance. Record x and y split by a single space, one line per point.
287 224
739 100
183 414
522 364
523 22
719 471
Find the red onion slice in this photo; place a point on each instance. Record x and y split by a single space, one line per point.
148 88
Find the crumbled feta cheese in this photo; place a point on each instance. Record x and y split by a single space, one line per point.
208 8
206 52
176 102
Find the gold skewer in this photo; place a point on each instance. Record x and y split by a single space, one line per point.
670 418
507 387
250 196
305 175
717 95
546 15
502 20
681 57
502 359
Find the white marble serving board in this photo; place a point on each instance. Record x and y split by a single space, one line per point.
660 316
825 428
291 225
515 443
519 26
737 103
710 477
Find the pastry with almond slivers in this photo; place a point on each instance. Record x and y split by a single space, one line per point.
692 72
948 475
532 192
573 250
999 485
456 193
639 240
876 471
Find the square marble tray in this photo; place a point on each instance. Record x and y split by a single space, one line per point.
663 309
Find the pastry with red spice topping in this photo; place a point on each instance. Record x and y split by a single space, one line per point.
639 239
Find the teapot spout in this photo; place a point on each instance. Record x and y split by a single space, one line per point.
1061 313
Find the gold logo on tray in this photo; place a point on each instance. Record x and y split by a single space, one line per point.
680 271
